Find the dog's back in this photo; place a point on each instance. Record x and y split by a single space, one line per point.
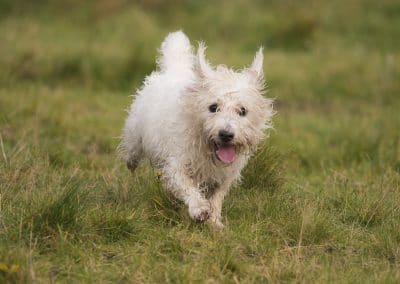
157 104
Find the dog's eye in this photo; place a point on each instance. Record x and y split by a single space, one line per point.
213 108
242 111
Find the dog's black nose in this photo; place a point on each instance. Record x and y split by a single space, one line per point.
225 136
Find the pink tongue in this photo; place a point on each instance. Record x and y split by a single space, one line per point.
226 154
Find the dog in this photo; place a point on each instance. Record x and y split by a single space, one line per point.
197 124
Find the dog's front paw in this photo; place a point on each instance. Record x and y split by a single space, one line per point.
200 210
216 223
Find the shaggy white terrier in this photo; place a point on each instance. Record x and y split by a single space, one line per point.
197 124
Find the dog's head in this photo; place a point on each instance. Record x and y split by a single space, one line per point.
229 107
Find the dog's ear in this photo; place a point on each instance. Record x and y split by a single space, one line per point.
257 65
203 68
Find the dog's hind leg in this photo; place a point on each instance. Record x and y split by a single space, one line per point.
130 149
134 154
133 162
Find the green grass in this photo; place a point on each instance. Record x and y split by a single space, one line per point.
320 202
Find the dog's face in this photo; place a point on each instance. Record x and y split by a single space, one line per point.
229 108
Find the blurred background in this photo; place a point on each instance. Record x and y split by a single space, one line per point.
111 44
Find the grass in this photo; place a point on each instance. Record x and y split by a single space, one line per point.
319 202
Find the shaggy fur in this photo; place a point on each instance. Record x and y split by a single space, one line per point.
197 124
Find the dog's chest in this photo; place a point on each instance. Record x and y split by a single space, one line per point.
209 179
208 188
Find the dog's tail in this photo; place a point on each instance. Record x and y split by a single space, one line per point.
175 53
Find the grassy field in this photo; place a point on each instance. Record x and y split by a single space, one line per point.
320 202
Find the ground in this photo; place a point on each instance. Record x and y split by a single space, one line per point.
320 202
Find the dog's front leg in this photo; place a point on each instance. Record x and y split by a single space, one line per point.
182 186
216 201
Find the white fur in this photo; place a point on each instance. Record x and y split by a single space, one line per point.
170 123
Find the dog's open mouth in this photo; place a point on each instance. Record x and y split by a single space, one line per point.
226 153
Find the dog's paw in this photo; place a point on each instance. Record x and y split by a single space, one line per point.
200 210
132 165
216 223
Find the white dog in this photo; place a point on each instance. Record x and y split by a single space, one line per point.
197 124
